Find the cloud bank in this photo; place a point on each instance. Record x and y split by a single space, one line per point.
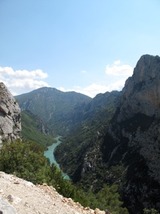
96 88
116 75
119 69
22 81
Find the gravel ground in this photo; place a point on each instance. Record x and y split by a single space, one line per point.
18 196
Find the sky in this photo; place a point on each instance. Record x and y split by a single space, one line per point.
87 46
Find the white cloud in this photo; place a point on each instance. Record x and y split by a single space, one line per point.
22 81
37 74
119 69
117 73
93 89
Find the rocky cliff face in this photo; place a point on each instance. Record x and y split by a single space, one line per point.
10 120
141 93
133 138
128 153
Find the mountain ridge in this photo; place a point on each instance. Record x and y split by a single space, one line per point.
54 107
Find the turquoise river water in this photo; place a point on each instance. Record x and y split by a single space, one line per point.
49 153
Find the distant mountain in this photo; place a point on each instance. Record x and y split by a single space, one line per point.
54 108
127 150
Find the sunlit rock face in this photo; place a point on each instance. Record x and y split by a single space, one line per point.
10 119
141 93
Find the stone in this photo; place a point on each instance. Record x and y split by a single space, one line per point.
10 119
98 211
6 208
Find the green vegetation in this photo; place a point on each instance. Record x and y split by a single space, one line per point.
86 138
150 211
109 197
32 129
25 159
53 107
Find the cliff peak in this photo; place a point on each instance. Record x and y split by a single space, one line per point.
141 93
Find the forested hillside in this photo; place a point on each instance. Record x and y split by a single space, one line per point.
34 129
55 108
86 140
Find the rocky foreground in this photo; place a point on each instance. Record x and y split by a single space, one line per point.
18 196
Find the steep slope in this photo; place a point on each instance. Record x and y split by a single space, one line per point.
18 196
54 107
128 153
141 93
10 120
35 129
134 136
85 142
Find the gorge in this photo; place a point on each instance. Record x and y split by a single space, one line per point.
110 139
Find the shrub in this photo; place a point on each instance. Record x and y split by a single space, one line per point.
26 159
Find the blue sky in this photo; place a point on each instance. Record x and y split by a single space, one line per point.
89 46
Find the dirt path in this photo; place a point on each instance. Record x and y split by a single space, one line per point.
18 196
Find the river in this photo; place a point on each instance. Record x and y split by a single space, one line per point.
49 153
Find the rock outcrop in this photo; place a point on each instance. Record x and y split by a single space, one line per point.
141 93
10 120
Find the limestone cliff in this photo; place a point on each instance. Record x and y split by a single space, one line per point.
10 120
141 93
133 138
